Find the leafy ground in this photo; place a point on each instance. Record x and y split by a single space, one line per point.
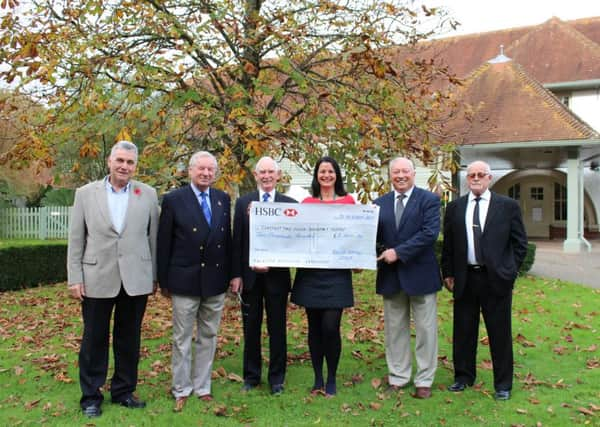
556 329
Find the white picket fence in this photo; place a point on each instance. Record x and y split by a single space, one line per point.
35 223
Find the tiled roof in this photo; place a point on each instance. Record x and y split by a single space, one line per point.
554 51
510 106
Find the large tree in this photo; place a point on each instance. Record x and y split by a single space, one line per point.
240 78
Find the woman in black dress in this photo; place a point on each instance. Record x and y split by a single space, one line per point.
324 293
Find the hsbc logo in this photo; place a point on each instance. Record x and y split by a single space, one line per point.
290 212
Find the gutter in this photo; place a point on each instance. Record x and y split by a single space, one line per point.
574 85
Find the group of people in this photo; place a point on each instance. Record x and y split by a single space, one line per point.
122 248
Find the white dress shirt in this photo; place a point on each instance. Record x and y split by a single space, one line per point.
117 204
484 204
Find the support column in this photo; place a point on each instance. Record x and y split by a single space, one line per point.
574 242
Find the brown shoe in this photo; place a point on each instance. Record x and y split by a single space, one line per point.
206 397
180 403
422 392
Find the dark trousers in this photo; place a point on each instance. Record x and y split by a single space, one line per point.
93 355
496 309
274 300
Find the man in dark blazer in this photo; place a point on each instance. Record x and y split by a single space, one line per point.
260 286
111 265
194 251
484 246
408 277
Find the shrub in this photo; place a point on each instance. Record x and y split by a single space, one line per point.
31 265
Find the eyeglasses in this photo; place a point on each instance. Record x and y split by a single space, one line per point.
479 175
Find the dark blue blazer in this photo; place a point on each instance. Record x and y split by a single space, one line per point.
503 243
417 271
194 259
279 277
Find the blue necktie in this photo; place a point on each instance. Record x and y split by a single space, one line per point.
266 197
205 208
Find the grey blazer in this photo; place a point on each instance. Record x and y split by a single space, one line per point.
101 258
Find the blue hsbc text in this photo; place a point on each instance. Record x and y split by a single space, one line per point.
267 211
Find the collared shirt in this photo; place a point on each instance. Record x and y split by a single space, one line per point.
484 204
198 194
406 195
271 195
117 204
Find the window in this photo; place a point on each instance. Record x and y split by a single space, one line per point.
560 202
566 100
514 192
537 193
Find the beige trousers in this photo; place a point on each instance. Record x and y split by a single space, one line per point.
192 372
397 311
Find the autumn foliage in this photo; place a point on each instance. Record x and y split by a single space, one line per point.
239 78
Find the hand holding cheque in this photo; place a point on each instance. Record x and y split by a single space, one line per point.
313 235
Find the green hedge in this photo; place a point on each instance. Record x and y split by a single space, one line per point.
525 267
27 265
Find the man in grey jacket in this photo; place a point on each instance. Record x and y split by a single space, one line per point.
111 264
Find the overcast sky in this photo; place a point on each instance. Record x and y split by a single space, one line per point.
487 15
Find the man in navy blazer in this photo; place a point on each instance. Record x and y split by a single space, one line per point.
484 246
260 286
194 250
408 277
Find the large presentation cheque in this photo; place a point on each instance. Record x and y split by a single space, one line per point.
313 235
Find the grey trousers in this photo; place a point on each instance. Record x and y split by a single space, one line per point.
192 372
397 310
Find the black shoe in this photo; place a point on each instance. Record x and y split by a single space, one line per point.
247 387
277 389
458 386
92 411
502 395
130 402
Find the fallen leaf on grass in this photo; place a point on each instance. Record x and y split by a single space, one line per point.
376 406
485 340
357 354
235 377
19 370
357 378
220 410
533 401
486 364
524 341
560 350
32 404
585 411
521 411
592 363
376 383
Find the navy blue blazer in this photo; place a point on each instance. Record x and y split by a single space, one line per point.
240 267
503 243
417 271
193 258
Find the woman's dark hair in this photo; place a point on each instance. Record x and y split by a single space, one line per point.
339 184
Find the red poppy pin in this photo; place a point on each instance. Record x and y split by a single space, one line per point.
137 191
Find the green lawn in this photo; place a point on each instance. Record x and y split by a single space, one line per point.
556 329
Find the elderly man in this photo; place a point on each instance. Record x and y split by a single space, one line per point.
484 246
408 277
260 286
194 250
111 265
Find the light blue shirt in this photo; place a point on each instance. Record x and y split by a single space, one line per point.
198 194
117 204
